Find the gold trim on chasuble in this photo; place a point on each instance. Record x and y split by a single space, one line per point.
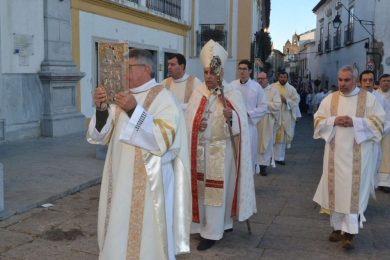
379 125
280 136
138 192
188 90
356 165
164 126
195 175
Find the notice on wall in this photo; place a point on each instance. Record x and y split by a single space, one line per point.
24 48
113 67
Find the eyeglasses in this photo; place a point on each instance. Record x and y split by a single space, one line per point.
242 68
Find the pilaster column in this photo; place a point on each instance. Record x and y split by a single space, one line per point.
59 75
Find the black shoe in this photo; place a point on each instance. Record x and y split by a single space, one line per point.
229 230
205 244
336 236
263 171
280 162
348 241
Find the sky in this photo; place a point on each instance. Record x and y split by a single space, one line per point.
288 17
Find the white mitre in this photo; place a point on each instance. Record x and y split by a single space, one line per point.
211 49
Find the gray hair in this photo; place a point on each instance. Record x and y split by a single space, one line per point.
143 57
351 69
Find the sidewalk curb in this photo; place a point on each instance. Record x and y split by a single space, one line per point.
7 213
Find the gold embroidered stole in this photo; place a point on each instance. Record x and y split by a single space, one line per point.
385 143
280 135
215 172
138 192
188 90
356 165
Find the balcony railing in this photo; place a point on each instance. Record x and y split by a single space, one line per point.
124 2
215 34
348 35
327 44
320 47
168 7
336 41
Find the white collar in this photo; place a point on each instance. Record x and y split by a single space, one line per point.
184 78
246 82
144 87
354 92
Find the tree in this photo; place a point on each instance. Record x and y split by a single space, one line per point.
263 45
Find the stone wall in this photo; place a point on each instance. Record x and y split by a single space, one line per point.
21 105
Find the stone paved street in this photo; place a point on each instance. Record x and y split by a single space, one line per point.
287 225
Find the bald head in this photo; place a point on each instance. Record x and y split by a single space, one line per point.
262 79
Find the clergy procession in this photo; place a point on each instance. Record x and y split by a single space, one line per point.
183 155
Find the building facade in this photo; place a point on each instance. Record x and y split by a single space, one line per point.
38 79
237 21
351 32
48 51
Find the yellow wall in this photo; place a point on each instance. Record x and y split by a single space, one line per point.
244 29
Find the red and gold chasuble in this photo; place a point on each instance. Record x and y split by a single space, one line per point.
207 177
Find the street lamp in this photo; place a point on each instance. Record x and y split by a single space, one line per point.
336 22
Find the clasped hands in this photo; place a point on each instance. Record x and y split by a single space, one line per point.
343 121
125 100
227 113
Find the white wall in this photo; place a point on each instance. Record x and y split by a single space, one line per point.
95 27
21 17
382 31
354 54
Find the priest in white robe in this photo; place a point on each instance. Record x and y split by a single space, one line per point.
366 80
179 82
285 133
350 121
268 125
145 200
221 174
255 101
383 176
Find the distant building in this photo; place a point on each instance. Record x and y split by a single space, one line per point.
299 57
291 47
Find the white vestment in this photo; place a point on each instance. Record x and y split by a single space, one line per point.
256 106
349 163
157 137
267 127
383 176
182 88
285 133
213 167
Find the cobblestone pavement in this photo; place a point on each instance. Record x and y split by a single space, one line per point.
287 225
